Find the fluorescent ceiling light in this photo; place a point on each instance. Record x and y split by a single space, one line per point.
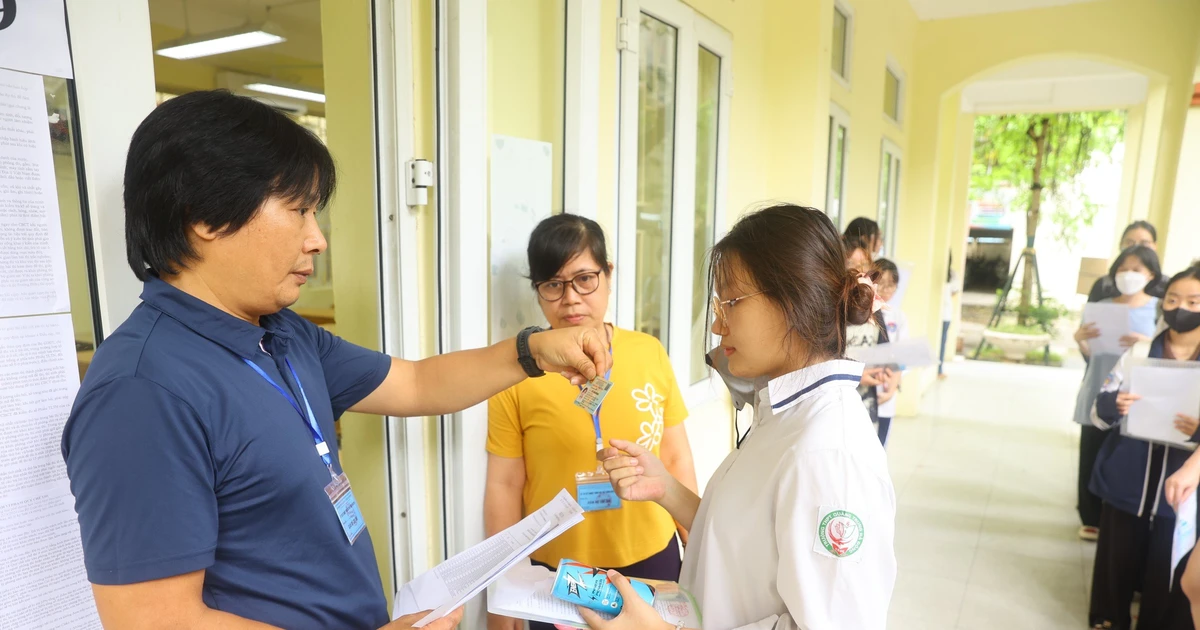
291 92
218 42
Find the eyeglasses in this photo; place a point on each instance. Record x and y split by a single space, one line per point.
719 305
584 283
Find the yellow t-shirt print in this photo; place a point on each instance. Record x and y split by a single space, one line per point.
537 420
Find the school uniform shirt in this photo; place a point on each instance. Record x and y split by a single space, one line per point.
796 528
537 419
897 329
1124 463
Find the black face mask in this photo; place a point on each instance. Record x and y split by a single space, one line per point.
1182 321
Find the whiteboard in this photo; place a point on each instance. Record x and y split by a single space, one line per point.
522 177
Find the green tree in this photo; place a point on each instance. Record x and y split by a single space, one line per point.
1043 155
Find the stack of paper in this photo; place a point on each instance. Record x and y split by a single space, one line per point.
1167 388
906 352
1113 321
453 582
524 593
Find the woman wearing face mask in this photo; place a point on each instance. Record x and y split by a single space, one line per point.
538 440
1137 519
1135 269
796 527
1137 233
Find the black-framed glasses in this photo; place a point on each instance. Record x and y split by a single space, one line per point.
585 283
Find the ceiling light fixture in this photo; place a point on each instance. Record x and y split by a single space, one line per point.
223 41
290 92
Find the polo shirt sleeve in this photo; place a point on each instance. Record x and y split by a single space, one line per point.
504 438
674 408
143 479
352 372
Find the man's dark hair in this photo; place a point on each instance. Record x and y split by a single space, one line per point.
213 158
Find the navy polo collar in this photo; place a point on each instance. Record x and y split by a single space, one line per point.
236 335
791 389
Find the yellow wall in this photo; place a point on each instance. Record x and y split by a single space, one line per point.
351 138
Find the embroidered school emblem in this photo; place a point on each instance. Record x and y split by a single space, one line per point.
841 533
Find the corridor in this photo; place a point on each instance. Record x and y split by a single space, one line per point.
986 523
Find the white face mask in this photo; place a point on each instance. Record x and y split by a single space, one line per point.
1131 282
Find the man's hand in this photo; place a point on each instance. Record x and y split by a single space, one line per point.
449 622
578 353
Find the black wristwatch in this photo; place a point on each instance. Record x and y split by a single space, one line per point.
524 356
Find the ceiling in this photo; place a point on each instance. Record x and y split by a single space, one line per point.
1054 86
945 9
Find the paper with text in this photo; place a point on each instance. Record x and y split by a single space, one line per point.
33 267
43 584
450 584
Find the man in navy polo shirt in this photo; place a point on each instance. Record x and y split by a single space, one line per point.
201 447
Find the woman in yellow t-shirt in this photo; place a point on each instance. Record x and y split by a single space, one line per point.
538 439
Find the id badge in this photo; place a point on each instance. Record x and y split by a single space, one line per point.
346 506
595 493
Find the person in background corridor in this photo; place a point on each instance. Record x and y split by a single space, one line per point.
1136 233
871 332
1137 519
1134 269
866 233
950 289
796 528
897 329
538 440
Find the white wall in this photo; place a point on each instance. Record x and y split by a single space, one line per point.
1181 245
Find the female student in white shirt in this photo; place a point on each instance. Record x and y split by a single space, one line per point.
796 527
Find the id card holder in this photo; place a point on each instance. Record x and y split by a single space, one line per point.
346 506
595 493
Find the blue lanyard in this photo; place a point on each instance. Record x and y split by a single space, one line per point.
309 418
596 416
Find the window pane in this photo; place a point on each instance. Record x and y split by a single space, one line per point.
891 95
840 24
66 178
837 163
885 193
707 115
656 173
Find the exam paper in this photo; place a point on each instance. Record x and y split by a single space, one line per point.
524 593
450 584
909 353
1185 533
1113 321
1165 392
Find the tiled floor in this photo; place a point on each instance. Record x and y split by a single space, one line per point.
986 524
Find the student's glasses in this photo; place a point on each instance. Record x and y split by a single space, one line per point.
720 306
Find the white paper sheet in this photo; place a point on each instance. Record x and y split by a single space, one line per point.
524 593
33 268
42 580
910 353
521 188
1185 533
450 584
1165 392
34 40
1113 320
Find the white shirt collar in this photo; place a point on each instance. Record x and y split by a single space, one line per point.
792 388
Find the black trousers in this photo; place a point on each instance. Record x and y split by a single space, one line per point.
664 565
1090 440
1135 549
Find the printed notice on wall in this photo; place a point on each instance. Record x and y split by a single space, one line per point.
33 268
43 584
522 179
33 37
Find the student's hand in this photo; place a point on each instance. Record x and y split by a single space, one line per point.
579 353
635 615
1129 340
636 474
1183 483
1086 332
449 622
1125 400
872 377
1186 425
885 395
